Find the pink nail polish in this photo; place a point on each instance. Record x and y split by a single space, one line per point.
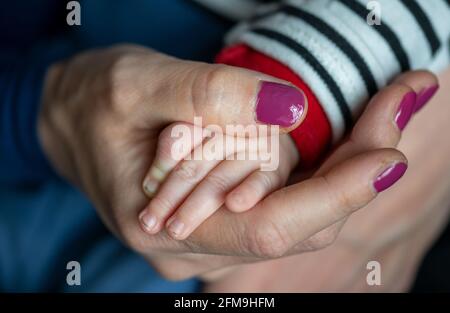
405 110
389 176
424 97
279 104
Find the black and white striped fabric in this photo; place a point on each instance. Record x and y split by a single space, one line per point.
330 44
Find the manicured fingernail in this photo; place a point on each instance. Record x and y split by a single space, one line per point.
279 104
405 110
176 228
389 176
148 221
424 97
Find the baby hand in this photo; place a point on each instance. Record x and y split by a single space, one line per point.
192 176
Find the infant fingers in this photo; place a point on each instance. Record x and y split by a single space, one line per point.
258 185
178 185
175 142
208 196
261 183
183 180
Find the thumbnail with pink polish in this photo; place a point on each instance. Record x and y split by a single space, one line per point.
279 104
390 176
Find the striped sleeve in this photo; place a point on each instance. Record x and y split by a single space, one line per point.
342 57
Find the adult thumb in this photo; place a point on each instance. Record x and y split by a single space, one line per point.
225 95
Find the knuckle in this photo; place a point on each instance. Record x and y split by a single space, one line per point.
124 93
208 89
266 180
162 204
268 241
217 182
187 170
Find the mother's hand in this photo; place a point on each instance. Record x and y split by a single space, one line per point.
305 216
102 113
395 230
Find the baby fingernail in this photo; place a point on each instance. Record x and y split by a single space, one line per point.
424 97
150 187
151 183
389 176
157 173
405 110
176 228
279 104
148 221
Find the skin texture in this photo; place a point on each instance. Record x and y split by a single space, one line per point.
182 197
396 229
102 113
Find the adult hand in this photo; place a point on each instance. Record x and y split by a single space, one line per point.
395 230
102 113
